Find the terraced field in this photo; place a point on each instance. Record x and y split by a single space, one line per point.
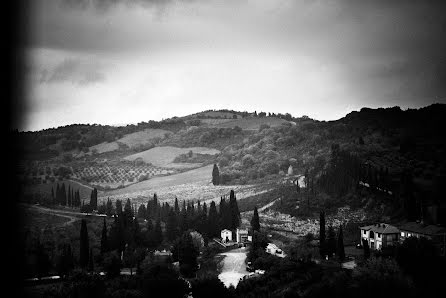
114 176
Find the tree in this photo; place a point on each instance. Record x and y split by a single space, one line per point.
112 264
94 199
215 175
366 248
331 241
90 261
171 226
340 247
255 221
158 233
213 228
104 240
186 253
233 209
322 245
84 245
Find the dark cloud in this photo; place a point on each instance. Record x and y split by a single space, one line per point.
75 71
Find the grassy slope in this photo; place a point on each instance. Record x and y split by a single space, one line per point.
191 185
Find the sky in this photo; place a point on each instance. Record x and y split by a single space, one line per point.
120 62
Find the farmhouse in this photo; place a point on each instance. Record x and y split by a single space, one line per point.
380 235
226 235
435 233
242 235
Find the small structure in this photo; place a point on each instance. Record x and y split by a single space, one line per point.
380 235
226 235
434 233
271 248
290 171
242 235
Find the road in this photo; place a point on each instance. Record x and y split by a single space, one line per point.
234 266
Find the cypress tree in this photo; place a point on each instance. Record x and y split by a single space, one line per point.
215 175
142 211
104 240
366 249
177 207
322 245
69 196
53 199
84 245
331 241
171 226
235 213
91 261
158 233
58 199
118 205
213 228
340 246
255 221
63 195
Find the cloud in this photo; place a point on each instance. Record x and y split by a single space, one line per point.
76 71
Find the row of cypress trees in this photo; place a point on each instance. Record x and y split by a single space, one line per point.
65 197
331 245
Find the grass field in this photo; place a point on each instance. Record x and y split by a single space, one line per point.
142 137
105 147
191 185
164 156
252 123
34 219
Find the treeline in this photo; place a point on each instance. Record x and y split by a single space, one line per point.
346 171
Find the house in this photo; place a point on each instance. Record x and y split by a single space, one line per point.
435 233
226 235
241 235
380 235
271 248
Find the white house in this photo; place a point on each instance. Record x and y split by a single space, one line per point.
226 235
380 235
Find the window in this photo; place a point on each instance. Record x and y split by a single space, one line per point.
408 234
364 232
379 235
402 234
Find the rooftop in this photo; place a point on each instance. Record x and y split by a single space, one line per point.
422 229
382 228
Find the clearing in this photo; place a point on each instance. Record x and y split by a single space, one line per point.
234 267
164 156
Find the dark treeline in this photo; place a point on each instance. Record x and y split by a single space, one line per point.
347 173
65 196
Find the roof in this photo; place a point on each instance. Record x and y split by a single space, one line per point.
226 230
381 228
422 229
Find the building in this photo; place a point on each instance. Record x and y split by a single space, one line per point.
241 235
380 235
226 235
271 248
434 233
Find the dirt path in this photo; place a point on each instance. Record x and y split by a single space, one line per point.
234 267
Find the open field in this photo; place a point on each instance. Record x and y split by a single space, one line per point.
142 137
191 185
164 156
252 123
105 147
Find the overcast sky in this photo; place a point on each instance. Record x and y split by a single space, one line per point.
120 62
